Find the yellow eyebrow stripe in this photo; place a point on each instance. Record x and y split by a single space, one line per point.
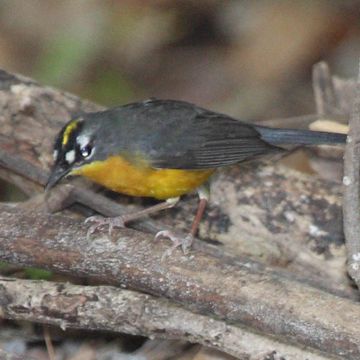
68 130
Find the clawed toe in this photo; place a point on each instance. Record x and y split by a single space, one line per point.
99 221
177 240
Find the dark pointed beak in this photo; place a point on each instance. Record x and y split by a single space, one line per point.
57 173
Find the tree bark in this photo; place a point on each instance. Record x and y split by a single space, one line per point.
352 190
75 307
245 296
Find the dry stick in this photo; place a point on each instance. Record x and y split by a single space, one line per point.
263 302
352 191
327 103
324 91
22 167
119 310
48 342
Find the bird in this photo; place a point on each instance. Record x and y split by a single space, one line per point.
164 149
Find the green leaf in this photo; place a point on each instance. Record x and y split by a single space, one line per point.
38 274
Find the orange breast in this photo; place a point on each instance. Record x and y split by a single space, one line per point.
121 176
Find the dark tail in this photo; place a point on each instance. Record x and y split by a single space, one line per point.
299 137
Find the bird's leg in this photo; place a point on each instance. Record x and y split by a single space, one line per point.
186 242
122 220
199 214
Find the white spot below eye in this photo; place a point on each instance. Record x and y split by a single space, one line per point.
70 156
55 154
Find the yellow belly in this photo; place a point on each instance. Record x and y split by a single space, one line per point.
121 176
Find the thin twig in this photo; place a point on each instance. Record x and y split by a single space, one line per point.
49 345
352 191
324 92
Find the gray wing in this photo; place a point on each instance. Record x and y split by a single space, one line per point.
208 140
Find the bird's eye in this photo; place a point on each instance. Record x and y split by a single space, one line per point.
86 151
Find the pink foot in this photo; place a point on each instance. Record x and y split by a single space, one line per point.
100 221
184 242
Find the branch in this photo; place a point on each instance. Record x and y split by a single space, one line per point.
334 96
246 296
118 310
352 191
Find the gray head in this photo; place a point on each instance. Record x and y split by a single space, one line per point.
75 145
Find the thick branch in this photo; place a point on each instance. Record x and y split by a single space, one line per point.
245 296
352 191
118 310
